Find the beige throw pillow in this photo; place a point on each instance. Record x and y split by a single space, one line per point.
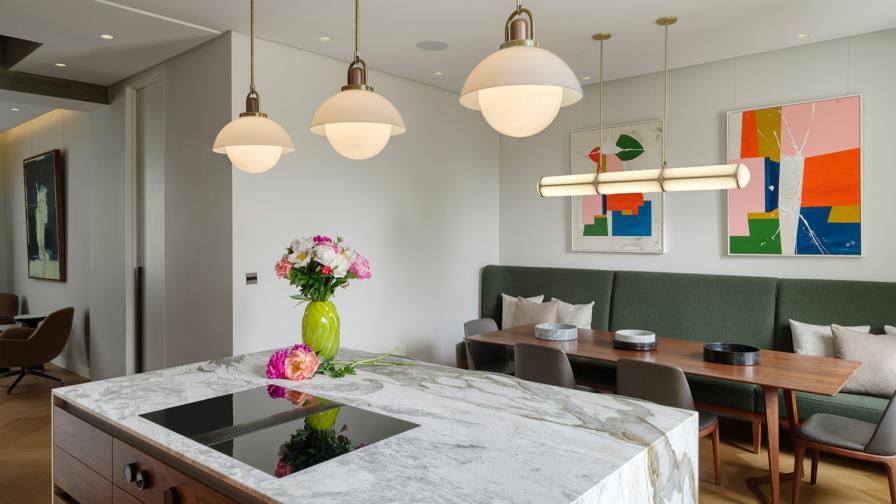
888 329
528 312
817 340
508 309
876 352
577 315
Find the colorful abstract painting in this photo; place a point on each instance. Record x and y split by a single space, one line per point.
619 222
805 194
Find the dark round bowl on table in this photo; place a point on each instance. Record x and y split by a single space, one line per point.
733 354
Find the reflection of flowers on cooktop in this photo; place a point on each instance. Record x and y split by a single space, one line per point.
317 441
278 430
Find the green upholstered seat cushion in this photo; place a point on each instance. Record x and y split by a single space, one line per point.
576 286
860 407
825 302
730 309
725 393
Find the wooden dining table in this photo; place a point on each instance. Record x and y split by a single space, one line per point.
785 371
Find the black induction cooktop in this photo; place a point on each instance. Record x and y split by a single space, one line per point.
277 430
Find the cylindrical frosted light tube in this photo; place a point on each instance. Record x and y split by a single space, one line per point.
698 178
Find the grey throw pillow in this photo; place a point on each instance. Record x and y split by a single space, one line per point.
528 312
577 315
817 340
508 309
876 352
888 329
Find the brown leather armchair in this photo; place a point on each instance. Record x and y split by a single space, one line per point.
28 349
9 308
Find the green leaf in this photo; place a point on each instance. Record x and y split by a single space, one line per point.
631 148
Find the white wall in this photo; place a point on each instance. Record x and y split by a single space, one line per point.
70 132
535 231
424 211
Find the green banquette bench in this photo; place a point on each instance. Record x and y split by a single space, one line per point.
737 309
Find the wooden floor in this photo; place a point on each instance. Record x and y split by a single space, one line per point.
25 437
25 456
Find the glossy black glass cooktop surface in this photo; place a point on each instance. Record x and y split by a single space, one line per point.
277 430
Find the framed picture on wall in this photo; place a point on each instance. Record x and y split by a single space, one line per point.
805 194
618 222
45 216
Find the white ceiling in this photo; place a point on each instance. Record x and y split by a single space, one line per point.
10 118
149 31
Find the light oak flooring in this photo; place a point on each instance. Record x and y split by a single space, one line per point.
25 437
25 456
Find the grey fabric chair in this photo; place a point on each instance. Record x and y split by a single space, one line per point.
544 364
9 308
850 438
666 385
483 356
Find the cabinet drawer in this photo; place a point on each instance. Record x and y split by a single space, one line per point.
159 479
119 496
83 441
79 481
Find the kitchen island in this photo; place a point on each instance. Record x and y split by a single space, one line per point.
475 438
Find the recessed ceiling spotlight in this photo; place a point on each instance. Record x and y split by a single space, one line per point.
14 109
431 45
802 35
438 74
106 36
61 65
586 78
324 39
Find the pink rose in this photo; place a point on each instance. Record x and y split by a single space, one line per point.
360 267
282 469
301 364
282 267
277 361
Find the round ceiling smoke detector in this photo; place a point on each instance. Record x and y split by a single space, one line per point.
431 45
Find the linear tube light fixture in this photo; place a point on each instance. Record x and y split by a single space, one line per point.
664 179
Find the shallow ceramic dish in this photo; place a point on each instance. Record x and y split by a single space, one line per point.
553 331
731 353
637 336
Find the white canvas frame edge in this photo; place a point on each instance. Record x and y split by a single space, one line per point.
861 176
572 247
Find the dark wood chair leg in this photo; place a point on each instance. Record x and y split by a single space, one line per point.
22 374
716 456
891 476
815 455
799 452
757 434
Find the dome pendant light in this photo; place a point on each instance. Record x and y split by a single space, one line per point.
253 142
356 121
521 87
663 179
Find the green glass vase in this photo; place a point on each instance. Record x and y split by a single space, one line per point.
320 328
323 421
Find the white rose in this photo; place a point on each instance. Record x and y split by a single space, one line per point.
324 254
340 265
301 251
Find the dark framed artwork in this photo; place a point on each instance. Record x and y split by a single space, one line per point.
45 216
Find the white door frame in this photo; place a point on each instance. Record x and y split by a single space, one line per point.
132 212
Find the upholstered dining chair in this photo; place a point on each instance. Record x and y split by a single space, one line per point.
544 364
28 349
9 308
666 385
483 356
847 437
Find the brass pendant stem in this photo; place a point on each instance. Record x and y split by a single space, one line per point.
252 45
665 22
357 29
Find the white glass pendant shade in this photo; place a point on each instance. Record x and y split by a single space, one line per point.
699 178
253 143
520 89
357 123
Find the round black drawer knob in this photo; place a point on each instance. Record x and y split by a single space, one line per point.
130 472
141 481
171 496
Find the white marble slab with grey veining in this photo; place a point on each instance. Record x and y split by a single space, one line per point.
483 438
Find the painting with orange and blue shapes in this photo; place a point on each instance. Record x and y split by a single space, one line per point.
805 194
618 222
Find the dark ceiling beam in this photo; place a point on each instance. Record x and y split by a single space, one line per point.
51 86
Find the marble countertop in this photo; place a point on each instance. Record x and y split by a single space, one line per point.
483 438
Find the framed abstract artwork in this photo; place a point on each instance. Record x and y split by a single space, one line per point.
45 216
618 222
805 194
